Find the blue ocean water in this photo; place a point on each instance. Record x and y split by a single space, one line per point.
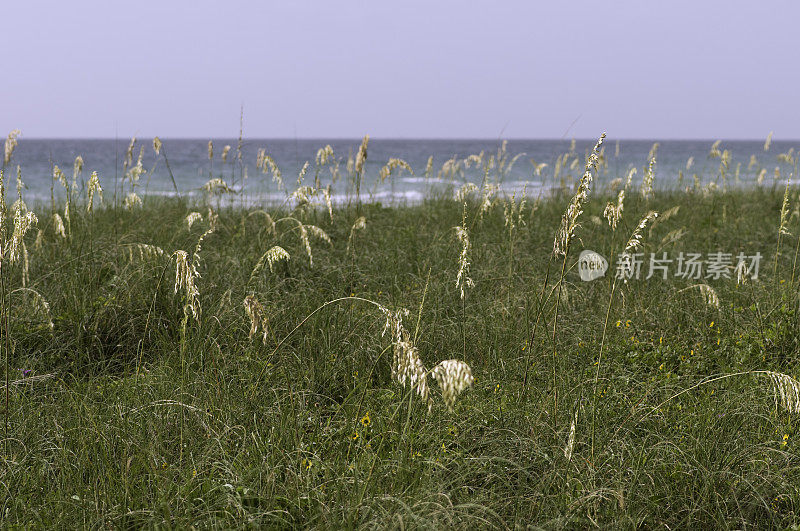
189 163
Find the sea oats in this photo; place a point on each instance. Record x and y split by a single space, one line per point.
464 191
271 257
23 220
429 168
144 251
315 231
302 174
647 180
77 168
653 151
58 175
10 145
258 317
270 165
185 276
324 155
613 213
210 150
58 225
361 157
302 195
129 153
351 163
753 162
326 192
453 376
473 160
450 169
689 163
3 208
741 273
408 368
462 277
93 188
783 228
392 165
569 220
570 446
193 218
132 201
786 390
359 224
629 178
768 142
512 211
709 294
537 168
41 306
274 255
157 145
487 195
225 150
788 157
636 237
715 152
213 218
216 186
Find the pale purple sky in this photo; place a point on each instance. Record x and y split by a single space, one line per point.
411 68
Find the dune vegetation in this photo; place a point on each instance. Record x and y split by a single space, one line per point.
198 361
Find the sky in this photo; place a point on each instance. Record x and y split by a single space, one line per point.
401 69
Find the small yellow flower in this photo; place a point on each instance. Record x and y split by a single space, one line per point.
628 323
365 420
306 463
783 280
354 436
785 439
711 325
496 388
661 340
452 431
194 473
619 323
661 367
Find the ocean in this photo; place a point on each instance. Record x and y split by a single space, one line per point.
191 169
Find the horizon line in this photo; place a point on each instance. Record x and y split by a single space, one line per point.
22 138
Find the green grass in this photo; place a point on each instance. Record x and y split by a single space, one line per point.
269 434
